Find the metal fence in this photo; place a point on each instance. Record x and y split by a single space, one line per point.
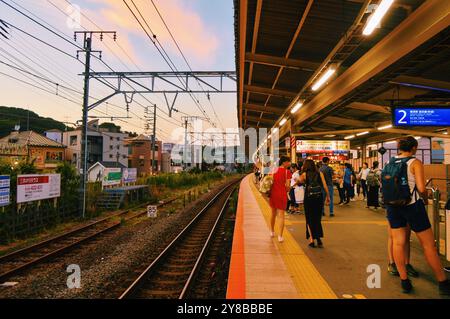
438 192
20 221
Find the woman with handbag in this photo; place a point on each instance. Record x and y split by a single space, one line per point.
278 195
314 201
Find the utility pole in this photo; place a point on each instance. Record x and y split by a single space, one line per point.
150 128
84 125
87 49
185 143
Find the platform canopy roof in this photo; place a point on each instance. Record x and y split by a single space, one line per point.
283 47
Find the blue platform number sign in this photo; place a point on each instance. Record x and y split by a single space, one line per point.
5 183
424 116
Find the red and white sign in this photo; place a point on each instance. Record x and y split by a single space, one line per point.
38 187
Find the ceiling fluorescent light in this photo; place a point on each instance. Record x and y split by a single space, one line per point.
296 107
283 121
349 137
384 127
375 19
274 130
324 78
329 135
362 133
390 142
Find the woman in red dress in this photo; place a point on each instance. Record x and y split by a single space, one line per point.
278 195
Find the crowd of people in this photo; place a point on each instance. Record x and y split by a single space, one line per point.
308 187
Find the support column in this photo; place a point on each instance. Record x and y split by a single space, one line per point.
447 149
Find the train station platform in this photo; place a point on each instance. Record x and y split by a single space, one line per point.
355 238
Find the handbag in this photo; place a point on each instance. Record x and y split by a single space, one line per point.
266 184
299 193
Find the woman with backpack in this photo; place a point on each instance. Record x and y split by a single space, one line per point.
278 195
405 196
373 186
315 184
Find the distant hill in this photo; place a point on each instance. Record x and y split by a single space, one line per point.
12 116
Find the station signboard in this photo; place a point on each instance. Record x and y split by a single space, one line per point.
322 146
37 187
129 175
112 176
421 116
5 183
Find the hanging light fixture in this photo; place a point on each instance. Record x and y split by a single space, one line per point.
323 79
375 19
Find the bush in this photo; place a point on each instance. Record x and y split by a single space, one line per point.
183 180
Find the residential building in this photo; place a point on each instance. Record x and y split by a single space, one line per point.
103 146
140 154
95 172
54 134
45 153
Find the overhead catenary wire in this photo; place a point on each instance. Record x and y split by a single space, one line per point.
71 56
67 54
162 52
184 58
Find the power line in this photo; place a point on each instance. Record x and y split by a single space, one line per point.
164 55
67 54
71 56
184 57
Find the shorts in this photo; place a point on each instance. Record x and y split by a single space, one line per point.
414 215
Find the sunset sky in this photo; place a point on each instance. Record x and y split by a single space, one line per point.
202 28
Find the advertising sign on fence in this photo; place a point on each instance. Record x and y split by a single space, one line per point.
129 175
38 187
5 183
112 176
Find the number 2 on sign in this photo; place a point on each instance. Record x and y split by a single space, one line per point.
402 120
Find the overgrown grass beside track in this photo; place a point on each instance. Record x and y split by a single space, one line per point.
181 180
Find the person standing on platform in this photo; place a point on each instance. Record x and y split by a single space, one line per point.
349 185
328 173
363 178
405 196
292 203
315 184
373 182
340 183
278 195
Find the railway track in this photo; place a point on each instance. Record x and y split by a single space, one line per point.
171 275
20 260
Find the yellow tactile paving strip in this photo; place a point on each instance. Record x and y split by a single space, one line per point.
307 279
266 275
375 222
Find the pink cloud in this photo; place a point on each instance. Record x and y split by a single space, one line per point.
198 43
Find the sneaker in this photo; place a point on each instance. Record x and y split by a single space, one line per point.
444 288
280 239
411 271
407 287
447 269
331 215
392 269
272 234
